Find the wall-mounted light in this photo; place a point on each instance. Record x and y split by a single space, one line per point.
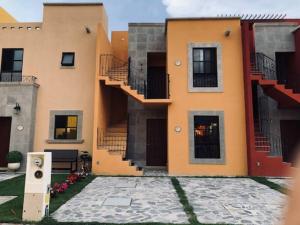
87 30
17 108
227 33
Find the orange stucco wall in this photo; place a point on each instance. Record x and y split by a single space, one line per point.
5 17
119 41
179 34
62 30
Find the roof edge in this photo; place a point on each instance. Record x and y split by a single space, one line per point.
202 18
72 4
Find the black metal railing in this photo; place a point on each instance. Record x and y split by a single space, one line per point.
269 140
17 77
116 69
120 70
264 65
113 143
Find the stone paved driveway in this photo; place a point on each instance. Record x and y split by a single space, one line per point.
105 200
7 176
233 201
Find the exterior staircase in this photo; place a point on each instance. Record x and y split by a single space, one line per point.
266 162
112 146
116 73
264 73
269 161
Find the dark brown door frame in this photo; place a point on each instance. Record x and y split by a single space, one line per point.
156 148
5 129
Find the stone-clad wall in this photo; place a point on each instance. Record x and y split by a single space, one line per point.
142 38
25 95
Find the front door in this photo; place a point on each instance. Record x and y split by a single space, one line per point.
5 127
290 138
156 142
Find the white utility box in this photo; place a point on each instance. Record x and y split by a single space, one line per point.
37 186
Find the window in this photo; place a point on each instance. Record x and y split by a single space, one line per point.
205 67
68 59
65 127
205 73
12 64
206 137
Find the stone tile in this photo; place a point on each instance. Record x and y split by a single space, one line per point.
284 182
233 201
153 200
7 176
117 202
4 199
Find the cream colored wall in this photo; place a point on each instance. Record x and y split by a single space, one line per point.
179 35
5 17
63 30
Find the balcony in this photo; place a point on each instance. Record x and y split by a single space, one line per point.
16 78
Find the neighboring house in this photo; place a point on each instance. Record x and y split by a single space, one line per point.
161 95
272 81
5 17
48 70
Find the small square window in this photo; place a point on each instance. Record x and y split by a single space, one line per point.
68 59
65 127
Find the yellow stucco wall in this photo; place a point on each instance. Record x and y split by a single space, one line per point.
5 17
179 34
60 88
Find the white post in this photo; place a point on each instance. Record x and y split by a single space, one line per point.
37 186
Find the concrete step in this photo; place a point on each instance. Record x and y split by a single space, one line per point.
114 142
117 130
116 134
113 147
114 138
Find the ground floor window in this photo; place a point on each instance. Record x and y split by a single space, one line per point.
206 137
65 126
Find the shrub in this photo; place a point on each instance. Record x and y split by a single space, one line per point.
14 157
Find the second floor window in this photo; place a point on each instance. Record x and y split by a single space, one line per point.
12 64
65 127
68 59
205 67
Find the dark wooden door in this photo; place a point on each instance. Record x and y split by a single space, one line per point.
282 66
5 127
156 83
290 138
156 142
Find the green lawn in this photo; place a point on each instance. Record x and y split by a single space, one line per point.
12 210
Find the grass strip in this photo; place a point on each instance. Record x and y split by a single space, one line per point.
270 184
188 209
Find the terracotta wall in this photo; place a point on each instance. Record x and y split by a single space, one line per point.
119 41
179 34
295 63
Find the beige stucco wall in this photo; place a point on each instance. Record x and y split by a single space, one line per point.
62 30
